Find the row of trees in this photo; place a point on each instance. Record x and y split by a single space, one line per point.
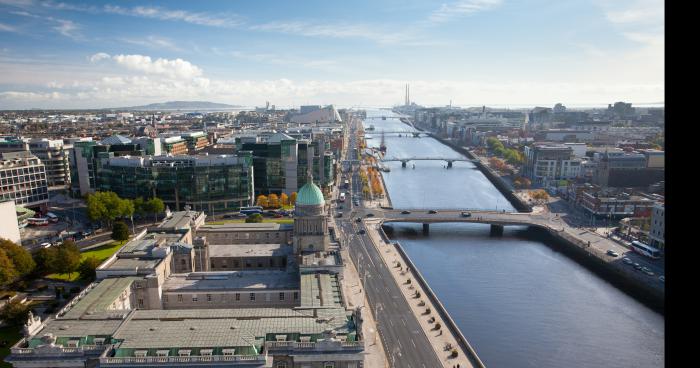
512 156
107 207
275 201
522 182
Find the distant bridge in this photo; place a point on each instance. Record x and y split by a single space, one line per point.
415 133
405 160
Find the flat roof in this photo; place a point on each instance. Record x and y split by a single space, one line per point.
320 290
180 220
132 263
100 297
249 250
242 226
231 280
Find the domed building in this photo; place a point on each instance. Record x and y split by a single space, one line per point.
310 221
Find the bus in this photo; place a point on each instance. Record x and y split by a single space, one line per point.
36 221
251 210
342 197
646 250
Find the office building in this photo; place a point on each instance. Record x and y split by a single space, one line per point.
23 180
547 163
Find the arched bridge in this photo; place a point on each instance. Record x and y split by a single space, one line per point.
404 160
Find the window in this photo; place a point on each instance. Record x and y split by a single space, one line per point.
140 303
296 295
281 365
194 298
236 264
208 297
165 298
252 297
281 296
179 297
328 365
238 297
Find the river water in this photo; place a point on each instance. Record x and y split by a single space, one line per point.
518 301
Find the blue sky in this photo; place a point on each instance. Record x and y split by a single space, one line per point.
88 54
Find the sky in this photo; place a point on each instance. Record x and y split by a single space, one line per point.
513 53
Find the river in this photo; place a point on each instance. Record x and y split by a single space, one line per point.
518 301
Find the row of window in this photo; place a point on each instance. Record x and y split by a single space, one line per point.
209 297
222 263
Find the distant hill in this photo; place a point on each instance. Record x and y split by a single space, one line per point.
183 105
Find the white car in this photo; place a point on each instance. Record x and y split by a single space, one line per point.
45 245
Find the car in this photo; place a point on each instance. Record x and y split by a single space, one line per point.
432 212
339 214
87 233
362 231
241 215
647 271
45 245
662 278
359 219
612 253
228 216
466 214
637 266
627 261
369 215
405 212
340 207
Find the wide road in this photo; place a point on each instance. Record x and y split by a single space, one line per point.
404 341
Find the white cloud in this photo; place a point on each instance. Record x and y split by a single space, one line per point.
176 68
99 56
206 19
67 28
336 30
153 42
7 28
457 9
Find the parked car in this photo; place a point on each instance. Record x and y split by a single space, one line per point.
432 212
45 245
647 271
228 216
405 212
662 278
359 219
637 266
339 214
362 231
466 214
369 215
627 261
612 253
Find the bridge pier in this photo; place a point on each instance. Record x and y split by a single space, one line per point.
403 163
426 229
449 164
496 230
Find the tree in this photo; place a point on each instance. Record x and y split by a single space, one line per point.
293 198
20 257
254 218
7 269
45 259
139 206
107 206
120 231
263 201
155 206
273 200
284 198
68 257
87 268
539 195
14 313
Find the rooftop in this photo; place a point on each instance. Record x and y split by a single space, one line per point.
231 280
249 250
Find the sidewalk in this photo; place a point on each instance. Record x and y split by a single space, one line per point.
438 338
375 356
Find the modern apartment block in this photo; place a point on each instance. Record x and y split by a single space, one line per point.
548 163
195 141
153 305
53 153
23 180
203 182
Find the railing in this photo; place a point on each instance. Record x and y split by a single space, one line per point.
272 345
179 359
63 350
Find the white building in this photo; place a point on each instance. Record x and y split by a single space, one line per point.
10 227
656 232
547 163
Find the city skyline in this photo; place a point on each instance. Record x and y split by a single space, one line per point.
477 52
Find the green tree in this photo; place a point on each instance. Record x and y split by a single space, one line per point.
87 268
120 231
253 218
67 257
20 257
155 206
140 206
107 206
7 269
14 313
45 259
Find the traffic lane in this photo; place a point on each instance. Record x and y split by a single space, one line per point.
404 328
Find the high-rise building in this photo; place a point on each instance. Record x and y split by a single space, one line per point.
23 180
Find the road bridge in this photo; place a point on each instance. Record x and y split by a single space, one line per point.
414 133
405 160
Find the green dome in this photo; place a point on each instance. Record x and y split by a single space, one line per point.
310 195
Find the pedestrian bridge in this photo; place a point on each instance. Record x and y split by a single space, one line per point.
405 160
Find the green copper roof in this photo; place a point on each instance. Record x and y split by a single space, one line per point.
310 195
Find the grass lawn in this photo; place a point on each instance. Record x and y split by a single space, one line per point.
100 253
11 335
241 221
